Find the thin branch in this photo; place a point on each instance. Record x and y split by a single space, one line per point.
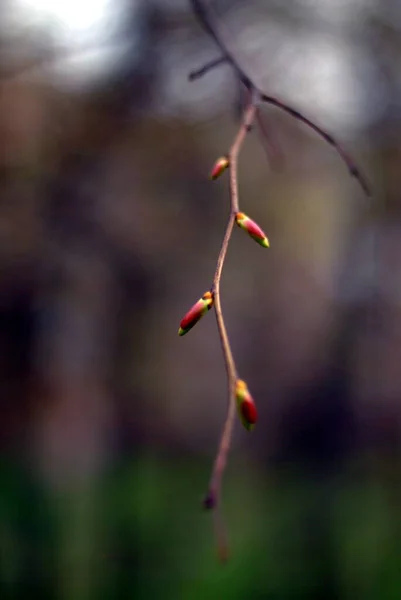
354 171
206 68
212 499
204 18
256 96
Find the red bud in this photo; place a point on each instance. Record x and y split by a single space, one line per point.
245 405
252 228
196 313
219 167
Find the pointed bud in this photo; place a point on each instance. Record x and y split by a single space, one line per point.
252 228
196 312
220 166
245 405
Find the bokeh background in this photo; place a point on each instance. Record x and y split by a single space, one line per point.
109 231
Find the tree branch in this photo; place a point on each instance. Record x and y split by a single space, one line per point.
206 68
238 393
212 499
206 22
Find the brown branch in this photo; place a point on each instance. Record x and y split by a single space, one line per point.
204 18
354 171
212 499
206 68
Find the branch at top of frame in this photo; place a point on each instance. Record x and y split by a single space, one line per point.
203 16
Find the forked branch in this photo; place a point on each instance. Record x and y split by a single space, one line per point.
204 18
239 398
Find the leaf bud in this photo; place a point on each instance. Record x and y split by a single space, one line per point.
219 167
252 229
196 313
245 405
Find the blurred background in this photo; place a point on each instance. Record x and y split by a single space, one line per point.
109 232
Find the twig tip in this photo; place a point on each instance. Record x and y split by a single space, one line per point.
209 502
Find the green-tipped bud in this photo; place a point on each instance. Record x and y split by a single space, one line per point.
245 405
252 229
196 313
219 167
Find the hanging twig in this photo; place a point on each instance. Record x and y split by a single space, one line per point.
238 395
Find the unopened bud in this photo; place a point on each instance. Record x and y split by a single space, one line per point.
252 228
196 312
219 167
245 405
